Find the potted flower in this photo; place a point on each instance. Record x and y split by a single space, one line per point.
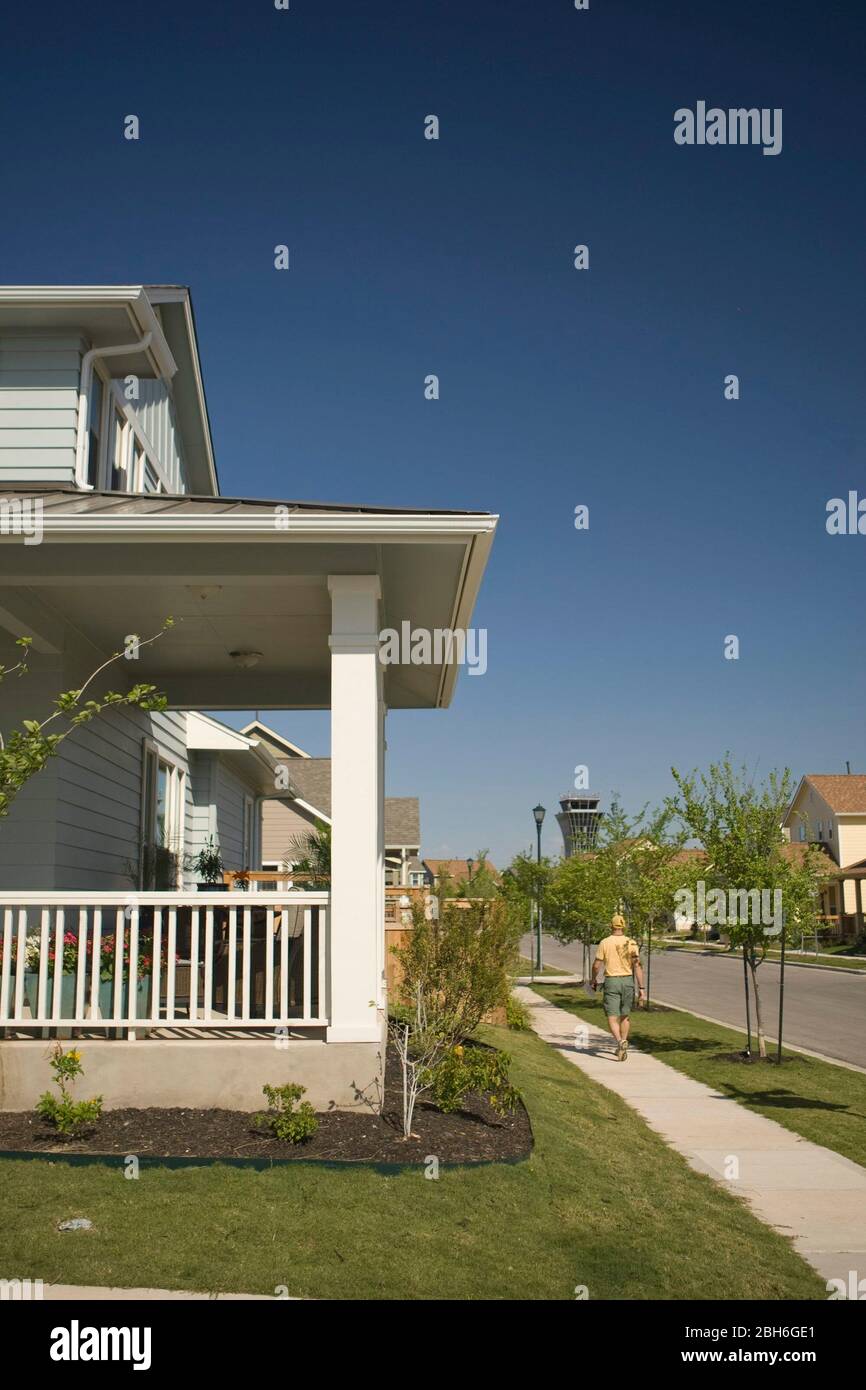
208 864
68 965
107 954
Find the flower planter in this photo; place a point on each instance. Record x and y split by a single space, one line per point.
67 996
142 999
212 887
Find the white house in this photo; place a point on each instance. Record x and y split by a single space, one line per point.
111 520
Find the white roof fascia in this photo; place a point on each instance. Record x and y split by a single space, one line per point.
206 734
313 526
265 732
133 298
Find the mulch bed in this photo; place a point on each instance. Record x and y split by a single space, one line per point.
475 1134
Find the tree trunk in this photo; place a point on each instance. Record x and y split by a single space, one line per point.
759 1023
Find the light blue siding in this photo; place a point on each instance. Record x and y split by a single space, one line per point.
154 413
39 376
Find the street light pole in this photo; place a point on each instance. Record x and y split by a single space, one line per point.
538 813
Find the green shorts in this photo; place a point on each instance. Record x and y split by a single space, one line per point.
618 995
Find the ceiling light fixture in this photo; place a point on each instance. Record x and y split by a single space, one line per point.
246 660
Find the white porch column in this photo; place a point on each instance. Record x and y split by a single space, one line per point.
357 810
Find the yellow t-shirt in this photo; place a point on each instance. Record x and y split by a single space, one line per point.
618 953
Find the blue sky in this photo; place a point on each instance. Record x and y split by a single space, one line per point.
558 387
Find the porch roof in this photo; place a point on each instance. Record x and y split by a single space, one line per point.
238 575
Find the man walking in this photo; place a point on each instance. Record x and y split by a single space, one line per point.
620 957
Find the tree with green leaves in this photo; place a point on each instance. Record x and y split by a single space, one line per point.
749 865
480 882
524 884
26 750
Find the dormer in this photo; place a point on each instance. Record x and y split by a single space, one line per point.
101 389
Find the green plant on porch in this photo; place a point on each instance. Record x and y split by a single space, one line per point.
208 863
26 750
156 870
309 856
286 1118
69 1117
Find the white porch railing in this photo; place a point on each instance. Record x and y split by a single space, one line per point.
194 960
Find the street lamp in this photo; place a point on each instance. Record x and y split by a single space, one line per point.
538 813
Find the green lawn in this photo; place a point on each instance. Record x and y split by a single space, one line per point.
525 967
824 1103
603 1202
829 958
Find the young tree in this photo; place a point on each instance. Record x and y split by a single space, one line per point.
579 901
524 884
739 825
453 970
25 751
480 883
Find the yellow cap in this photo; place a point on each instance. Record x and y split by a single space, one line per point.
617 921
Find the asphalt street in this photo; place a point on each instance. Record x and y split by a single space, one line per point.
825 1010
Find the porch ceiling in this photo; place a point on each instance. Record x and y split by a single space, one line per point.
241 587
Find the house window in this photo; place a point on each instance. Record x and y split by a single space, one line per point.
118 476
416 879
163 792
820 830
802 830
95 412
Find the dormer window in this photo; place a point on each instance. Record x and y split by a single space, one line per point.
95 412
118 480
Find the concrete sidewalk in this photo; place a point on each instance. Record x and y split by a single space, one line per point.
800 1189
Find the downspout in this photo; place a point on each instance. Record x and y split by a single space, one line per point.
121 350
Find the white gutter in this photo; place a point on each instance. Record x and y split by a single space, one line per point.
121 350
184 525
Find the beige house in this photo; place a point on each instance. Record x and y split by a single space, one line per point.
307 800
829 809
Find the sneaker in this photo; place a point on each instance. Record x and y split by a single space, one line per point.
623 1051
620 1054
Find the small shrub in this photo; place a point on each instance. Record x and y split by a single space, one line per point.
517 1016
286 1122
69 1117
480 1069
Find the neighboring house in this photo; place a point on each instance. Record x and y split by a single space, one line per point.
306 800
829 809
111 520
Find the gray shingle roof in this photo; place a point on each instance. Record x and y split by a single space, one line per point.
71 501
311 780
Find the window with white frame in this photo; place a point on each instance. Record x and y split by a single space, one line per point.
416 878
118 472
162 807
96 427
119 456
